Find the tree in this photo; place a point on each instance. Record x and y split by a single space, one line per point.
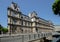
0 29
5 30
56 7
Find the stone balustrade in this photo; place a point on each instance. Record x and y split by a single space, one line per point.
22 37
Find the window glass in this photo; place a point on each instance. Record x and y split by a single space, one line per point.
13 14
14 21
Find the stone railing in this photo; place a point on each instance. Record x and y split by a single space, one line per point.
23 37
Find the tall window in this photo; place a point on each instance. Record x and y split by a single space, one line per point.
21 17
25 23
14 21
14 29
14 14
28 23
21 22
31 24
36 29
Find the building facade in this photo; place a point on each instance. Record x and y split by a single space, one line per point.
20 23
57 28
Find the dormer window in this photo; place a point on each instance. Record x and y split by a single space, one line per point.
14 21
21 17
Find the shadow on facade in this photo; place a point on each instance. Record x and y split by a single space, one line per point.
46 40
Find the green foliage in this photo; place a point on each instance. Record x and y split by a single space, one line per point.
56 7
57 0
4 30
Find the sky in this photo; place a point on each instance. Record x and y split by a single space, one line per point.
42 7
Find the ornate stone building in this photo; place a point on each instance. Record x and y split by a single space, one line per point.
20 23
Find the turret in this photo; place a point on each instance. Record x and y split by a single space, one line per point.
33 14
14 6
